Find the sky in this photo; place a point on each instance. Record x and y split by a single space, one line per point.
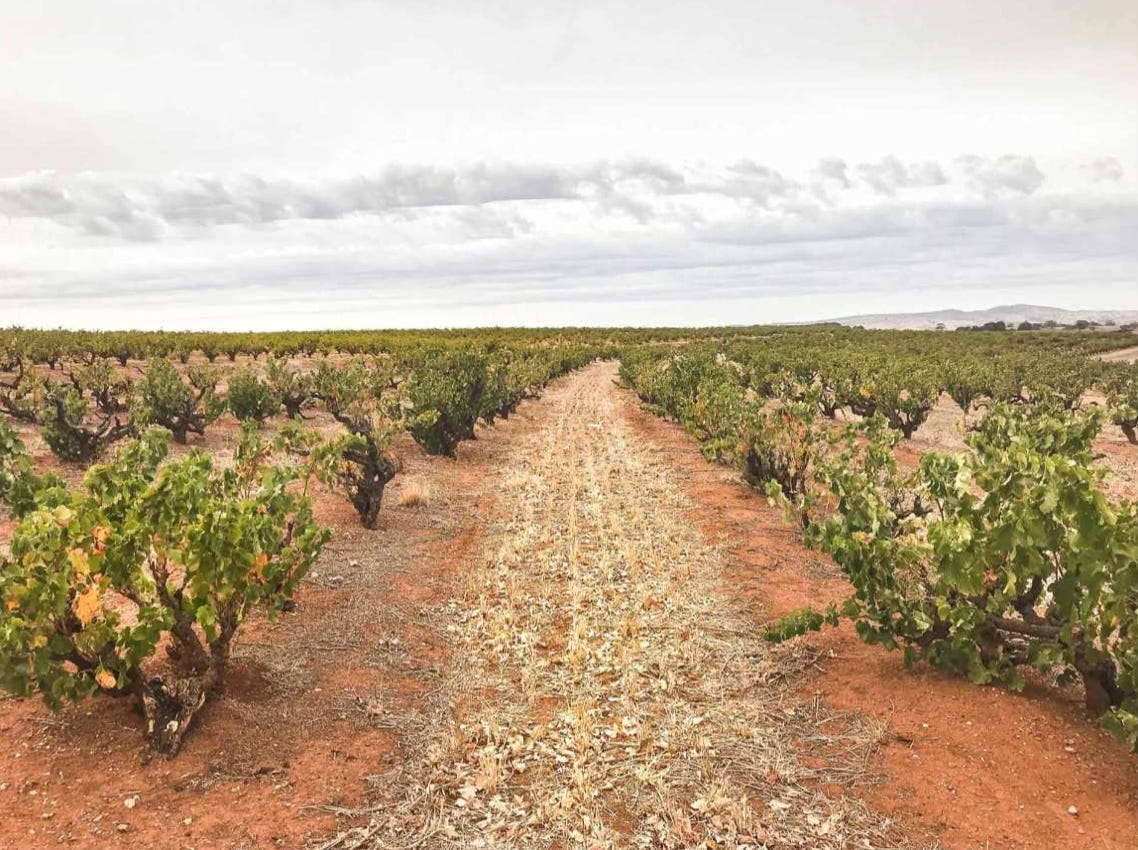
267 164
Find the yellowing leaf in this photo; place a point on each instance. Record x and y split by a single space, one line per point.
39 641
106 679
13 604
79 562
63 516
100 533
259 563
87 605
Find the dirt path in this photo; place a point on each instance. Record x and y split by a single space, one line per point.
1121 355
607 691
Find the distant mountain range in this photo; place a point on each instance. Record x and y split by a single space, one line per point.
1011 314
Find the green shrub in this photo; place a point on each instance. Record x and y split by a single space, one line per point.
163 398
451 384
189 548
1021 561
249 398
359 463
294 388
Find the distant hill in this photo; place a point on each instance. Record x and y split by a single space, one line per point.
1011 314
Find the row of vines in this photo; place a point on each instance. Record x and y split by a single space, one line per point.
1006 556
158 552
53 347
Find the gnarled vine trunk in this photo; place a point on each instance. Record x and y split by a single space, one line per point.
170 706
170 703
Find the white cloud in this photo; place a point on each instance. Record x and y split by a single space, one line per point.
154 208
833 168
1002 175
1104 168
889 175
606 242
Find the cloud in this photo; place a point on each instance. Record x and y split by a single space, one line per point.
1103 169
832 168
890 174
141 208
545 263
1008 174
376 272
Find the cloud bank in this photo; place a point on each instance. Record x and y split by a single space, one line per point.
610 242
146 209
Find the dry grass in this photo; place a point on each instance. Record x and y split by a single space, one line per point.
607 694
414 493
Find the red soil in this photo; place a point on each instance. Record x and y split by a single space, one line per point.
304 724
967 766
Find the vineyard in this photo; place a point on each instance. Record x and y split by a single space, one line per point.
1005 556
163 496
124 535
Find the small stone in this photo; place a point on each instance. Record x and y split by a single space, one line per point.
131 802
1072 810
122 827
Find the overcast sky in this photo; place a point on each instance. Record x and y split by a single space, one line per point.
351 163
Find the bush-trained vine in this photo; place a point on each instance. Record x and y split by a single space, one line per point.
295 388
22 393
452 384
778 449
82 419
249 398
1122 399
80 416
183 406
988 562
359 462
145 550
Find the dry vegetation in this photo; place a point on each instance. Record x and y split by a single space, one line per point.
414 493
606 692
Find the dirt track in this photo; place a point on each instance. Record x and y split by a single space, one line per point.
1122 355
607 691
